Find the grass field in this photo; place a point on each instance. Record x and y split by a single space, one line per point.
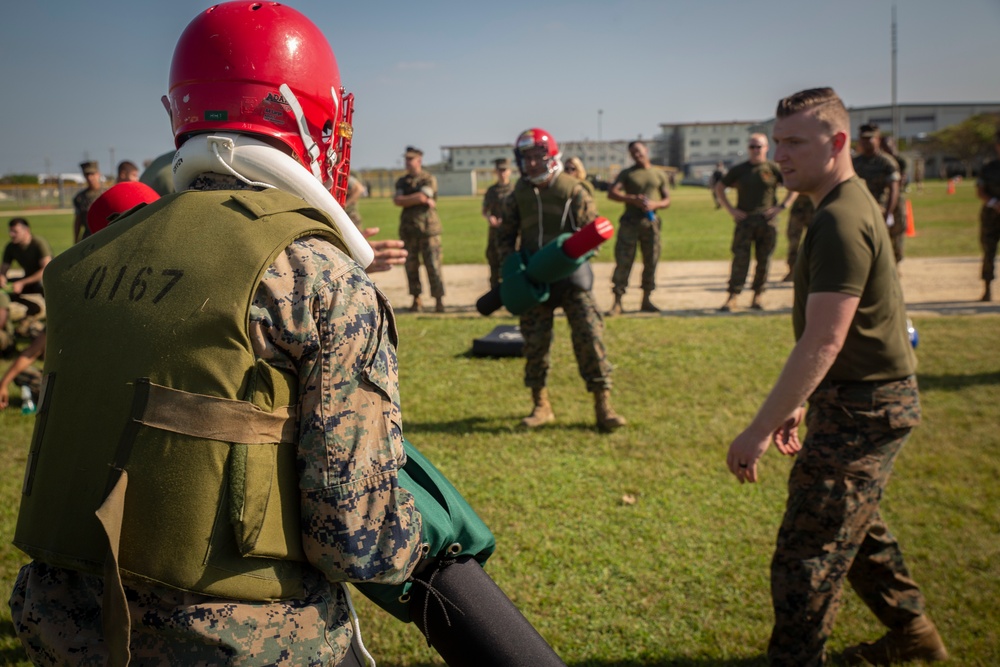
947 225
681 576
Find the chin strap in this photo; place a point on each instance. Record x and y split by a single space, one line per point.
300 118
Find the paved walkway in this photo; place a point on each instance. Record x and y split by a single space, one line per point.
931 286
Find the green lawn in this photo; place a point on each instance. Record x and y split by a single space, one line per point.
947 225
681 577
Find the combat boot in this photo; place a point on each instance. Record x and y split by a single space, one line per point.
987 294
607 419
542 412
416 306
647 305
616 309
917 640
439 306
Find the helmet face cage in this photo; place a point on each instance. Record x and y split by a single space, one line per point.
537 138
264 69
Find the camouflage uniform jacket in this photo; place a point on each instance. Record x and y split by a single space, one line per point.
878 171
421 217
317 314
558 214
81 204
493 200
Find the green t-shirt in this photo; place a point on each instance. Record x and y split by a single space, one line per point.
637 180
848 251
28 257
756 185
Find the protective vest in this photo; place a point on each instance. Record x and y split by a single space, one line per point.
157 415
545 212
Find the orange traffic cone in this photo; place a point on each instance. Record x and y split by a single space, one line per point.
911 229
951 186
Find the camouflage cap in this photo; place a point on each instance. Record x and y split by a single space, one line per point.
502 163
89 167
413 152
869 129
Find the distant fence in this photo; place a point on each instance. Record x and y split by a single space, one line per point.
38 196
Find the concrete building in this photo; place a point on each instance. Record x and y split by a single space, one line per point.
599 157
695 148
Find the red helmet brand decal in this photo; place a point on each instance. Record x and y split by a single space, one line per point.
276 97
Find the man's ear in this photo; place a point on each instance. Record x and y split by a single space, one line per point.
839 142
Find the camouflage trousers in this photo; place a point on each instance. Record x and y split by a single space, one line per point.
587 332
493 257
832 528
427 248
989 238
757 232
645 234
56 613
7 341
797 225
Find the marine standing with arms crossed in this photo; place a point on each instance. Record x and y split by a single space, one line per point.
420 228
854 364
546 203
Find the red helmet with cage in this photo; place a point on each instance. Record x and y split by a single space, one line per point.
264 69
540 139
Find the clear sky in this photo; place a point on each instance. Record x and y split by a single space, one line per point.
83 79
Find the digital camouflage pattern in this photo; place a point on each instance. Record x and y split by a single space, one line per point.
317 314
81 204
586 331
6 322
582 315
493 204
427 248
636 231
420 232
832 528
878 171
989 220
754 232
421 218
799 218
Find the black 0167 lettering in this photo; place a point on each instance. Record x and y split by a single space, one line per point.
131 283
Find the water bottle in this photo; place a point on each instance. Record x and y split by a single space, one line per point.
27 403
650 215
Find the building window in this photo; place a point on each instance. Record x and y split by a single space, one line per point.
460 163
920 119
714 142
695 142
734 142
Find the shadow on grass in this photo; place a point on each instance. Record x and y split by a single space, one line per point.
949 382
492 425
652 662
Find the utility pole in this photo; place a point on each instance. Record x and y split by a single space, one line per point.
895 107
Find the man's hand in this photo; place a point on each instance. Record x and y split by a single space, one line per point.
773 212
744 452
388 253
786 437
16 286
494 221
4 398
738 215
3 281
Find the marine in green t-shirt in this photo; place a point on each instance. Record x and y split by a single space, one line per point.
643 189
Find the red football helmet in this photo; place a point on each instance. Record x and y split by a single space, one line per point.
264 69
538 138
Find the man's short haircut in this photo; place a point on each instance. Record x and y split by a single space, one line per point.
637 142
18 221
824 102
127 167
